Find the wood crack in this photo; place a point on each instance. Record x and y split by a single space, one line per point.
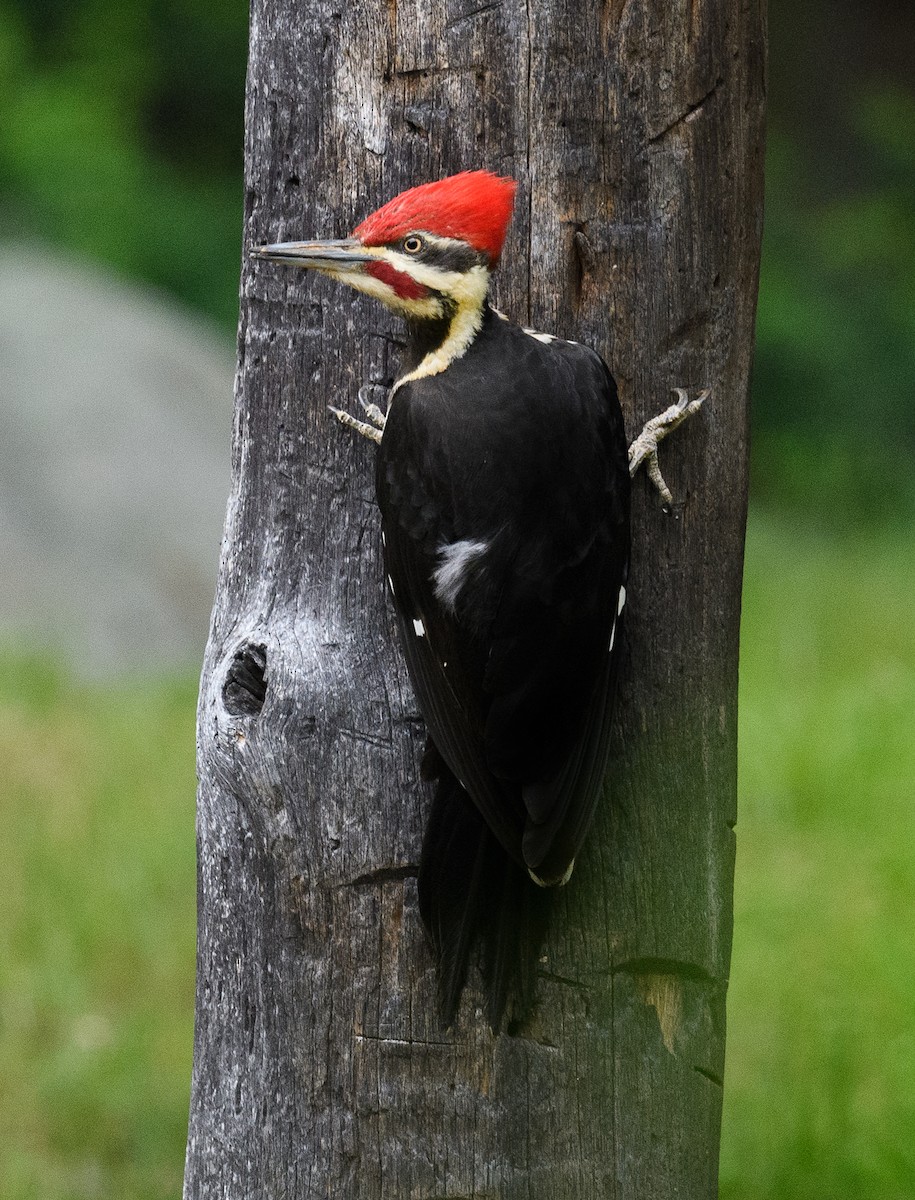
383 875
576 984
371 739
474 12
391 1041
664 966
688 115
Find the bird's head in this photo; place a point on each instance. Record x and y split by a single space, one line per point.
426 253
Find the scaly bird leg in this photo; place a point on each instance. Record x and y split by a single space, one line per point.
645 447
371 410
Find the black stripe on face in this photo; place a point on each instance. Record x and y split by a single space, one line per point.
450 256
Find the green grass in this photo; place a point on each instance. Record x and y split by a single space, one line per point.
96 940
820 1082
97 936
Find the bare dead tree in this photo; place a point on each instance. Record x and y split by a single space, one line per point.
635 129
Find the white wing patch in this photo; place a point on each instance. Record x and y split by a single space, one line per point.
419 628
619 608
546 338
455 560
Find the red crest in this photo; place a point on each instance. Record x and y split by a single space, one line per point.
474 206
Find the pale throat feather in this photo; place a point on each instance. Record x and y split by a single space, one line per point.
469 298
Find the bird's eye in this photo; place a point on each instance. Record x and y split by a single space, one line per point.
413 244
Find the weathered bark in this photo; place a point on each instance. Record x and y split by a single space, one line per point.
635 130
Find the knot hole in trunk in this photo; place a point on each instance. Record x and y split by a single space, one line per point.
245 686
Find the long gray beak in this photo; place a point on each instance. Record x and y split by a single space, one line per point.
337 256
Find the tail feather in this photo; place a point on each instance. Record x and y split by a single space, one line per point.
513 935
472 894
451 873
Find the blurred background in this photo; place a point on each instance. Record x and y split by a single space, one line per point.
120 221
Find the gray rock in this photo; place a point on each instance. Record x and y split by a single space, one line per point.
114 467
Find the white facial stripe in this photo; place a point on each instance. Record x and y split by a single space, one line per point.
429 306
435 239
436 278
469 294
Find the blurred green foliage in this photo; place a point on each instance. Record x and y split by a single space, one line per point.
833 413
122 139
834 379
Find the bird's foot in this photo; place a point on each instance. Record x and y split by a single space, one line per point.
645 447
377 418
369 407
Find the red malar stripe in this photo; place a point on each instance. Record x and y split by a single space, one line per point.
406 287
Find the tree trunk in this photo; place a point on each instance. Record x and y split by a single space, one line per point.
634 128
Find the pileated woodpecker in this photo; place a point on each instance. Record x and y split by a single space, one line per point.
503 482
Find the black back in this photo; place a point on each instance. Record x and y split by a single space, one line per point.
518 446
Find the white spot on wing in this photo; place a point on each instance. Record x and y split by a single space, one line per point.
612 636
419 628
622 600
455 560
546 338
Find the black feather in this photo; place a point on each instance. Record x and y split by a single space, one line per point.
472 895
518 447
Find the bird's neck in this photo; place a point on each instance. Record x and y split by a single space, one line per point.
425 338
433 345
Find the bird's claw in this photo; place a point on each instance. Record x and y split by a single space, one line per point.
377 418
369 407
645 447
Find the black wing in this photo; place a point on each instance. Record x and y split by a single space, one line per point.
516 456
